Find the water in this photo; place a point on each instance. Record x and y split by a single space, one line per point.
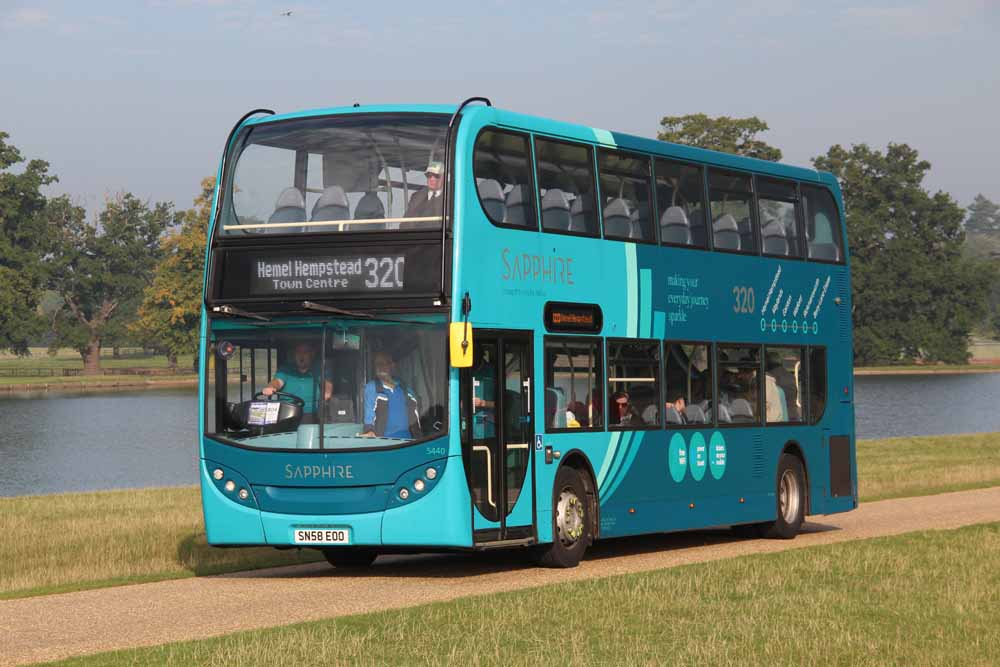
51 443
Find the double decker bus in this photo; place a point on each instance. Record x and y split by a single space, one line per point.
463 328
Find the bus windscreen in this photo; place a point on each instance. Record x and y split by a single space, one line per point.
349 173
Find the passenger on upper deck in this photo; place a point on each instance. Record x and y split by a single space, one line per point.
391 410
299 378
426 202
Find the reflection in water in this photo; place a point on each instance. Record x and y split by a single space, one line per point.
50 443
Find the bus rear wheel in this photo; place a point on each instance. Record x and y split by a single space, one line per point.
571 522
790 499
350 557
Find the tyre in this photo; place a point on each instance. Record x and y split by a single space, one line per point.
350 557
790 499
571 521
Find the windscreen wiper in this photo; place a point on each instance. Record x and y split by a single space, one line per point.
237 312
312 305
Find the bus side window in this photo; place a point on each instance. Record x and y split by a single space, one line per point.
779 235
501 165
566 187
730 198
634 384
817 383
687 384
822 225
573 384
626 196
784 374
680 204
739 384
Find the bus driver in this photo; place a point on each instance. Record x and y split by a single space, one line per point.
299 378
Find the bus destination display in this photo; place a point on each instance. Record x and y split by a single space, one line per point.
288 273
351 273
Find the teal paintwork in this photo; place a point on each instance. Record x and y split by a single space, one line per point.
645 291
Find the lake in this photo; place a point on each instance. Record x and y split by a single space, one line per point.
78 442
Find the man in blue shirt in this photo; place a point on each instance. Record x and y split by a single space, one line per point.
391 409
299 378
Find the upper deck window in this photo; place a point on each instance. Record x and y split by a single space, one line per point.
502 167
779 229
566 187
731 199
371 172
625 196
680 200
822 225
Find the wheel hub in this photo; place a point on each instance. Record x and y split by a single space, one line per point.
789 496
570 517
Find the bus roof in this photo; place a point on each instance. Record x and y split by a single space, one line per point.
606 138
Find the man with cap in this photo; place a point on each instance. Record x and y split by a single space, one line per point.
426 202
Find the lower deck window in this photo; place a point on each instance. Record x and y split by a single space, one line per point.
573 396
633 384
739 384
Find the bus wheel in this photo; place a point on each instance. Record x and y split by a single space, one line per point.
571 521
791 500
350 557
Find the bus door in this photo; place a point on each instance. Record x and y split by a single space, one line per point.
497 432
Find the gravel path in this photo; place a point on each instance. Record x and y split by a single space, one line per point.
59 626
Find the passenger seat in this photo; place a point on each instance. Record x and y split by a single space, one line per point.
555 210
675 226
518 206
290 207
491 195
369 207
618 219
726 233
331 206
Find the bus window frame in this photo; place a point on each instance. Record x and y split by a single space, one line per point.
531 175
592 148
800 226
714 417
709 241
650 182
598 341
658 379
760 388
840 223
753 209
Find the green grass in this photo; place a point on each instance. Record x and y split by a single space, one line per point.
39 357
74 541
901 467
928 598
89 540
927 368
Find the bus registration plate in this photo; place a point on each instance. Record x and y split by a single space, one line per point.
322 536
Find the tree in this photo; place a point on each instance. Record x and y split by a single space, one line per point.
729 135
23 238
99 269
170 312
915 295
984 216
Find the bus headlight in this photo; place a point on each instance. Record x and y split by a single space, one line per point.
430 473
418 485
244 494
404 493
217 474
230 485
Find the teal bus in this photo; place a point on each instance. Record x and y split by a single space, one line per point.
462 328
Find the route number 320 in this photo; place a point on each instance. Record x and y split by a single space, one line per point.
743 300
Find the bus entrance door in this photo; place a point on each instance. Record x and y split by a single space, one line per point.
497 432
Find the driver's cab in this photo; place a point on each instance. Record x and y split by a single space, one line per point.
332 378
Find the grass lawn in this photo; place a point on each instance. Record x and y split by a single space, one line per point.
88 540
926 368
928 598
39 358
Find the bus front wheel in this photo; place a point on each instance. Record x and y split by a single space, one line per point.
571 521
350 557
790 499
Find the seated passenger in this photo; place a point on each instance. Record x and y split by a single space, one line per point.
623 412
426 202
298 378
777 407
391 410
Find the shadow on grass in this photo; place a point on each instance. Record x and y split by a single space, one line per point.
451 565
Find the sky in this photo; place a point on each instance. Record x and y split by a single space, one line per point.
140 95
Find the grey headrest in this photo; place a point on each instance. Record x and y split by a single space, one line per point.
774 229
694 414
674 217
555 198
290 198
369 207
617 207
332 196
490 189
517 196
726 223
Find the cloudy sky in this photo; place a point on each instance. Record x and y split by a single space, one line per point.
139 95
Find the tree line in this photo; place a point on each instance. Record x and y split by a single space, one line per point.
924 269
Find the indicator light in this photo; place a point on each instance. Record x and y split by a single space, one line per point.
230 485
418 485
217 474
